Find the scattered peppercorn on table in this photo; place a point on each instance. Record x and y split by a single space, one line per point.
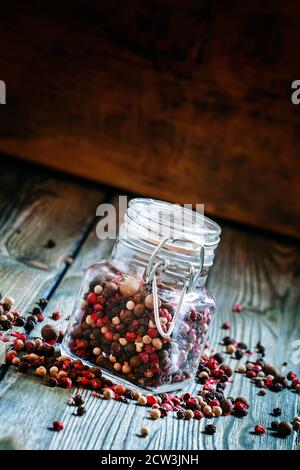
48 237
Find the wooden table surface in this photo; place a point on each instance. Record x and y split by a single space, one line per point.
256 270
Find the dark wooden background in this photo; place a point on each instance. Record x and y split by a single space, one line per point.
188 101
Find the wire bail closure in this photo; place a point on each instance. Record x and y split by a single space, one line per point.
162 266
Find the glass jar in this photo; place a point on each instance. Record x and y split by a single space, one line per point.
143 314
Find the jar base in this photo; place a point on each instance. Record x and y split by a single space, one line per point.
127 383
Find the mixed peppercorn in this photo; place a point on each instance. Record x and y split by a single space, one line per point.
43 357
115 329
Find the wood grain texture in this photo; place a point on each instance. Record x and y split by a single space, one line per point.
35 208
254 270
185 101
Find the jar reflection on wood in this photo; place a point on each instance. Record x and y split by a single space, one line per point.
143 315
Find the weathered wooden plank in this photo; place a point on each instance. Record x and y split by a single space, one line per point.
35 208
200 90
251 269
39 405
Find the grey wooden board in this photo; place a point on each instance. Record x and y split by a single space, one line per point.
252 269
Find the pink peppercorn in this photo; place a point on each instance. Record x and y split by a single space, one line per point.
185 396
214 403
65 382
18 344
260 430
175 401
109 336
269 383
92 298
167 407
154 357
10 356
295 382
144 357
191 403
119 389
130 336
152 332
57 425
240 406
151 400
237 308
251 374
198 414
226 325
292 375
155 367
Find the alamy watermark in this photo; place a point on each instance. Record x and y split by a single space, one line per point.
295 97
157 219
2 92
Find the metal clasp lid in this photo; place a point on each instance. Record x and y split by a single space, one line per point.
162 266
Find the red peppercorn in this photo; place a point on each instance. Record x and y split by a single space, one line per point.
131 336
109 336
226 325
144 357
29 346
151 400
260 430
65 382
191 403
98 307
237 308
251 374
119 389
167 407
198 414
176 401
18 344
214 403
92 298
240 406
154 357
57 425
96 384
185 396
40 317
10 356
56 316
152 332
292 375
295 382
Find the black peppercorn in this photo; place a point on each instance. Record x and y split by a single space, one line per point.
29 326
78 400
42 303
180 414
277 411
219 358
20 321
36 311
52 382
239 354
81 410
274 425
227 340
210 429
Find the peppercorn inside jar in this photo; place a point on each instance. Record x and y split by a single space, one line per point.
143 315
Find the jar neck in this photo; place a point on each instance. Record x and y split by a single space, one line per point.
132 255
